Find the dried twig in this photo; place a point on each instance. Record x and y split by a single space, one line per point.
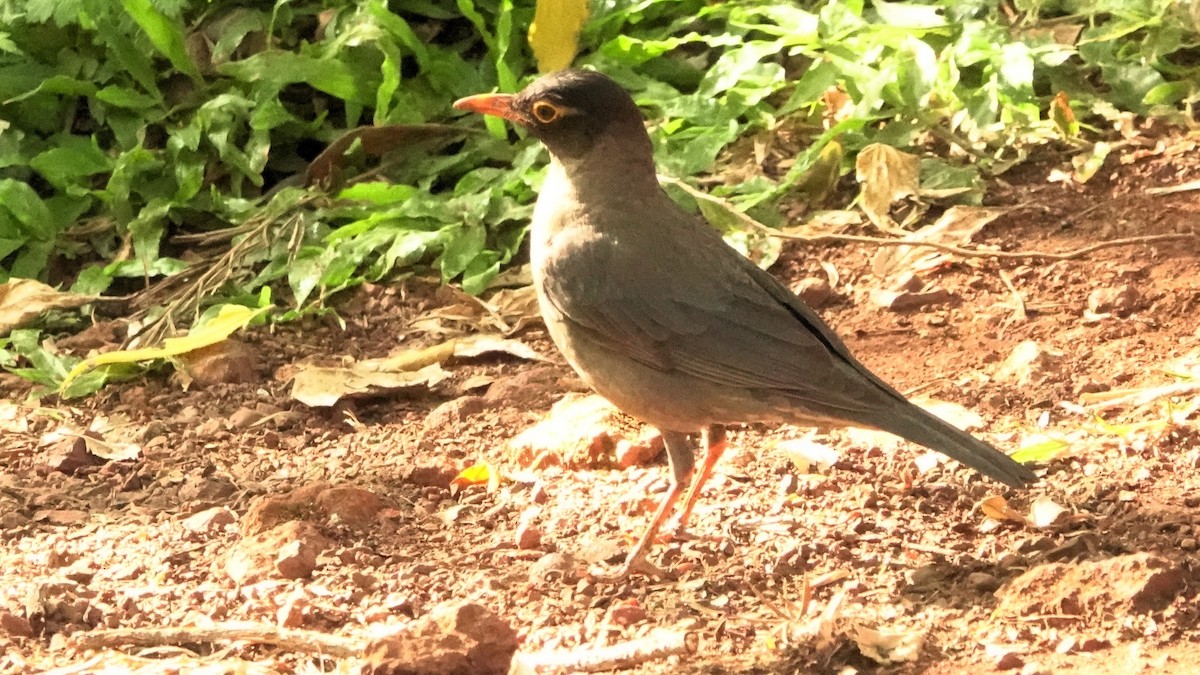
1019 314
660 643
1107 400
1172 189
260 633
945 248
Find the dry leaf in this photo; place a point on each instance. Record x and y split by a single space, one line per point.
997 508
476 345
324 386
23 300
957 226
886 648
887 175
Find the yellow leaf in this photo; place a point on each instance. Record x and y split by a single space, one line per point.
228 320
554 33
478 474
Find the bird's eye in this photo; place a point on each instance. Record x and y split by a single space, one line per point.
545 112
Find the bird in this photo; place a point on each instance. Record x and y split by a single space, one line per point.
660 316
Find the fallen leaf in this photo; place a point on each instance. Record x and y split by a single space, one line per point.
475 345
957 226
229 319
320 386
23 300
997 508
887 648
477 474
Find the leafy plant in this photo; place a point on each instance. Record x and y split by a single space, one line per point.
163 148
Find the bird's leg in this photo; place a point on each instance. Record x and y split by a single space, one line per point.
714 446
682 461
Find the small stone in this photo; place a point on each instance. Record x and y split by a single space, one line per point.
70 456
900 301
982 581
1029 363
354 506
1188 544
1120 301
626 614
815 292
209 521
227 362
463 638
528 536
15 626
638 452
288 551
1009 661
554 568
244 418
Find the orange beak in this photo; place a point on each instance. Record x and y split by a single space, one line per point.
498 105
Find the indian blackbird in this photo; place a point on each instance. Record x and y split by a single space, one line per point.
661 317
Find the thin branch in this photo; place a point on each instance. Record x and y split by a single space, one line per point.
295 640
945 248
659 644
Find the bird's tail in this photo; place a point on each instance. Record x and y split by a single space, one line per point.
920 426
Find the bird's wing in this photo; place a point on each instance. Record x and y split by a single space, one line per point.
735 326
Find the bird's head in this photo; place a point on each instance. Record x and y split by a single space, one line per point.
571 112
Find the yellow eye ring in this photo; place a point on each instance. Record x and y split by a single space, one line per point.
545 112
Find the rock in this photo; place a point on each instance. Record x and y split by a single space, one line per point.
353 506
1009 661
900 301
288 551
528 536
455 412
1120 301
815 292
578 432
209 522
1128 584
626 614
431 475
1029 363
640 451
554 568
14 625
229 361
317 502
982 581
70 455
244 418
463 638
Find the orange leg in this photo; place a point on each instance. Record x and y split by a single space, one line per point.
714 447
679 454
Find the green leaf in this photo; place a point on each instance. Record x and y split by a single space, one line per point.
165 34
463 244
28 208
277 69
72 158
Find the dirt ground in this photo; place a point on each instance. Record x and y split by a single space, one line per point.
245 531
